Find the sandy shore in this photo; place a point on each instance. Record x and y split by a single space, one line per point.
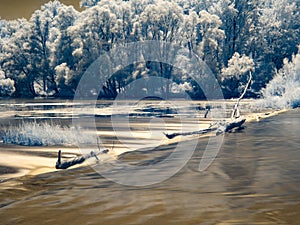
16 161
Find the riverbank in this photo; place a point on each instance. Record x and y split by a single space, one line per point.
17 161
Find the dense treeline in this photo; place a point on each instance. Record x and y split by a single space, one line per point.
47 54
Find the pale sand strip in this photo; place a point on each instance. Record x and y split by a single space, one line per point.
30 161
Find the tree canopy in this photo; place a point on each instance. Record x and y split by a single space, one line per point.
48 54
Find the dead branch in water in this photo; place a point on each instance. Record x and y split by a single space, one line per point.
78 160
228 126
204 131
221 126
236 112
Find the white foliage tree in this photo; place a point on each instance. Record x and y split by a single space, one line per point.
284 90
234 74
238 66
59 37
51 51
15 57
42 47
210 39
279 27
162 21
61 47
189 31
94 31
226 11
63 79
7 87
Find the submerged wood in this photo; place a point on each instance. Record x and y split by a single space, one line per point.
228 126
78 160
204 131
220 128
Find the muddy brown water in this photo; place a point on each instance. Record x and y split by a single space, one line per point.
255 179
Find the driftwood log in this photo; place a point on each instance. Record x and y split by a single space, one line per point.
220 127
204 131
228 126
78 160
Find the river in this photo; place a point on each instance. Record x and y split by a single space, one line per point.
254 179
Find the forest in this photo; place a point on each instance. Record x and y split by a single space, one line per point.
47 54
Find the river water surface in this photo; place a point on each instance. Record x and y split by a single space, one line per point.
255 179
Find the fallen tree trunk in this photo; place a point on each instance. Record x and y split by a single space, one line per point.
228 126
220 128
204 131
78 160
